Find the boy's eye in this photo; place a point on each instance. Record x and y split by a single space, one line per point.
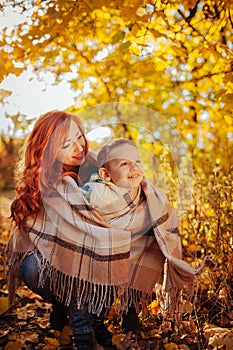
124 163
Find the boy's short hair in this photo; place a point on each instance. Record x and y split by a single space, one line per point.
103 155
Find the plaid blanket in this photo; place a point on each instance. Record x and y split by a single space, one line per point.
98 261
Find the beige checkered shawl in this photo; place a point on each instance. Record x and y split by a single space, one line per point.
96 261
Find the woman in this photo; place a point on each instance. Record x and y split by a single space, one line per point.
64 250
56 147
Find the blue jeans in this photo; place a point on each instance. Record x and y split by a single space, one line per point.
81 321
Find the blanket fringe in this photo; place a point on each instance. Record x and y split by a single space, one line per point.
98 297
12 272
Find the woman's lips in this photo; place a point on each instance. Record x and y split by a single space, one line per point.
79 156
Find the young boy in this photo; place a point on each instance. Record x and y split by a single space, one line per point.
125 199
115 193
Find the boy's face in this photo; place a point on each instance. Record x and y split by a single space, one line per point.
125 168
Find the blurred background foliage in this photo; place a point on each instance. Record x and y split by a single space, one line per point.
173 58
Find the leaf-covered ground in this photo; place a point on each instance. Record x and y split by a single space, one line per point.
24 325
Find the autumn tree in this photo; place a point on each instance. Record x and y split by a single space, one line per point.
174 57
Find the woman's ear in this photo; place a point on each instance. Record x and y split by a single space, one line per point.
103 173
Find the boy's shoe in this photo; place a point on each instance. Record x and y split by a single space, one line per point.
58 317
130 321
84 341
102 334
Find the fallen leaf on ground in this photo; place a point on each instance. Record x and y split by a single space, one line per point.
25 312
16 345
23 336
24 292
3 333
217 336
65 335
53 342
3 305
171 346
43 321
117 339
183 347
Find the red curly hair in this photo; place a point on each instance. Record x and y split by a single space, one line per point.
38 167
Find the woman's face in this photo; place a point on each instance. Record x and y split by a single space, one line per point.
72 151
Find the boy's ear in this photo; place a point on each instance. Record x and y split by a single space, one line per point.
103 173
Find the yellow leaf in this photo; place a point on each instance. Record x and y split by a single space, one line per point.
117 339
3 94
228 78
119 36
135 134
3 304
52 341
112 313
140 12
111 328
15 345
178 50
154 307
183 347
141 32
65 335
228 119
135 49
4 332
195 247
228 98
25 292
124 46
154 333
171 346
143 335
8 65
